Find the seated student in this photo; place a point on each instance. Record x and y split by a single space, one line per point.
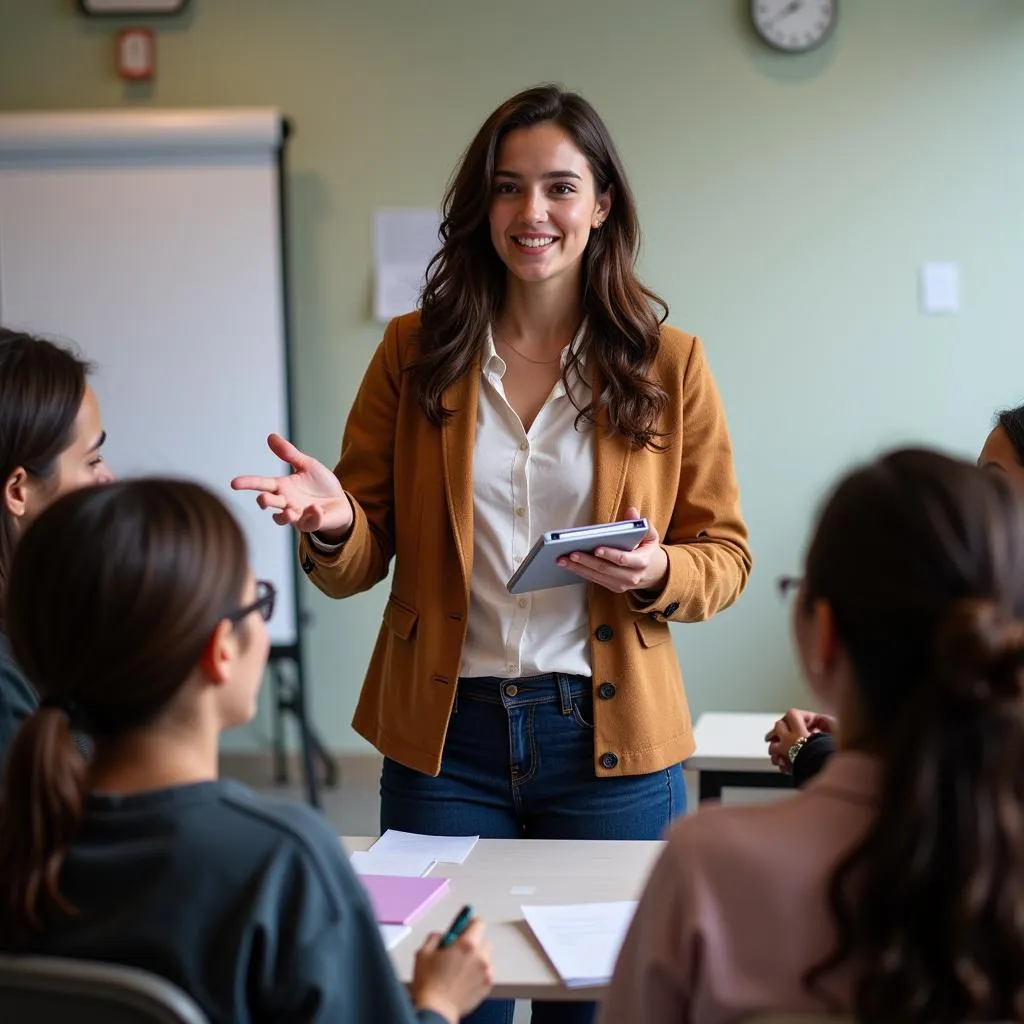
802 741
133 612
50 440
892 887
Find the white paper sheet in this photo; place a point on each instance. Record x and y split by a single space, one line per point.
408 865
392 934
443 849
404 241
581 940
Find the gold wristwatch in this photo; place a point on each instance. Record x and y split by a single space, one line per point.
796 748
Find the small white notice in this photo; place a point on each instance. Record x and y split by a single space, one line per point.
582 940
940 287
404 241
443 849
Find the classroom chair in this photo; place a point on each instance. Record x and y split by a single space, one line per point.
54 990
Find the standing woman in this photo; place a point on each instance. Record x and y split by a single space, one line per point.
538 389
50 441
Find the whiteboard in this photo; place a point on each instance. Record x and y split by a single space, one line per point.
152 241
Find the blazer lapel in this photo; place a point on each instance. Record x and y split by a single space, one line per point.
458 440
611 460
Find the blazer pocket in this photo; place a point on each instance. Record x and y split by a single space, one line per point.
650 632
400 618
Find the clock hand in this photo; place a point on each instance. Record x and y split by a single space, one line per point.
791 8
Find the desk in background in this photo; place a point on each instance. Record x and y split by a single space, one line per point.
500 875
731 751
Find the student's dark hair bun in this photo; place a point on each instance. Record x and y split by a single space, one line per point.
981 654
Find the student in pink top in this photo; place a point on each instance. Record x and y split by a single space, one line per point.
892 886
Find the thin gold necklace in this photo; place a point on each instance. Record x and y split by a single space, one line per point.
536 362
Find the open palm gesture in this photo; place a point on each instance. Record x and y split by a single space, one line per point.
310 498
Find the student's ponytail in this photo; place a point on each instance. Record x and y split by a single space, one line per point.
115 593
44 793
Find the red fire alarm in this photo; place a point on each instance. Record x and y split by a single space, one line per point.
136 54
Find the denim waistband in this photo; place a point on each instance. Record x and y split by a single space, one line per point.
551 686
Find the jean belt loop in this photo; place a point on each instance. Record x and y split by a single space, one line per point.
564 692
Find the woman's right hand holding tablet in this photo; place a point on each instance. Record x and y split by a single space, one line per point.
453 981
310 498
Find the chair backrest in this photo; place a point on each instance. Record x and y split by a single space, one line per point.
54 990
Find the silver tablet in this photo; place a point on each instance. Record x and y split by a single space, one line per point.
540 569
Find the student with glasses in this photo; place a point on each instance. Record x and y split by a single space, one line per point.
135 616
802 741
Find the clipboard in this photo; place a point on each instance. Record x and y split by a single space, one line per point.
540 569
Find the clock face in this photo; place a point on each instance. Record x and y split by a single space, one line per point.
793 25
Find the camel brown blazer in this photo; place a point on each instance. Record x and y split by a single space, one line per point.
411 487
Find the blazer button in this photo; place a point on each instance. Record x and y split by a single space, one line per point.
609 760
671 609
604 633
606 691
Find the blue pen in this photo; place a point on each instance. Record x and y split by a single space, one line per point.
457 927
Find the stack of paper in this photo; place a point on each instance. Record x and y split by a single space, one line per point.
582 940
408 865
392 934
443 849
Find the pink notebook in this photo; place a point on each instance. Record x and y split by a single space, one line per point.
397 900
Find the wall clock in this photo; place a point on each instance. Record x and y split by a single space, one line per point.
130 8
794 26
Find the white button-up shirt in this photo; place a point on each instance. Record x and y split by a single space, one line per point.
525 483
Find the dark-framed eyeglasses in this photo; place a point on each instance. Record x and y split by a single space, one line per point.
787 585
266 595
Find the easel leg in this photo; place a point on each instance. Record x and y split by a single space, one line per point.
289 698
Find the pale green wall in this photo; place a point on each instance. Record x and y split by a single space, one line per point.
788 202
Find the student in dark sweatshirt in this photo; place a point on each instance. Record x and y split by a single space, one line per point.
133 612
50 443
802 741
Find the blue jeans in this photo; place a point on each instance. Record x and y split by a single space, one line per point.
519 764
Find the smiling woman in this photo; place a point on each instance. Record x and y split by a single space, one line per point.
538 389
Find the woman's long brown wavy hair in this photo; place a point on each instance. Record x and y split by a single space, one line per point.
921 559
465 286
114 593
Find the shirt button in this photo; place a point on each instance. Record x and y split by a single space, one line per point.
604 633
523 446
671 609
511 690
520 511
606 691
521 602
517 558
609 760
